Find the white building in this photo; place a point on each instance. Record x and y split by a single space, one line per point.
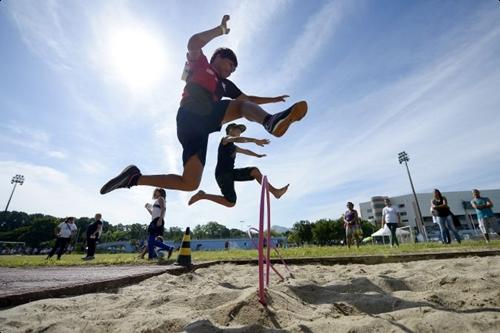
459 203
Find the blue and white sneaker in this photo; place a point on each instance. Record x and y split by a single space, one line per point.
278 124
126 179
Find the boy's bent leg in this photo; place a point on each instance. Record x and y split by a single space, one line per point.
131 176
276 124
189 181
201 195
276 192
226 185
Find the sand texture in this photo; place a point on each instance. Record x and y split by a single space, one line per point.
456 295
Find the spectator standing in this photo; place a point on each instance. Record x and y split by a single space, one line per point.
391 218
445 219
485 215
64 231
351 225
157 225
93 233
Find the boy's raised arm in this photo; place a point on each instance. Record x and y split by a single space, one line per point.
199 40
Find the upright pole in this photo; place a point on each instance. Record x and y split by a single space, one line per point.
262 296
268 243
11 193
416 201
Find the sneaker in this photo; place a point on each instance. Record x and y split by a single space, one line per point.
278 124
126 179
170 252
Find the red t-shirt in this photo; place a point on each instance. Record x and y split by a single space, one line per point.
204 86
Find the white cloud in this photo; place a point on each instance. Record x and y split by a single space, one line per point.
31 138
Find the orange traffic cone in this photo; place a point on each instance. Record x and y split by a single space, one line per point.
184 257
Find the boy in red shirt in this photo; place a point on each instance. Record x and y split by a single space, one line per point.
202 111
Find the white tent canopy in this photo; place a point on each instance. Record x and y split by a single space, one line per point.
386 232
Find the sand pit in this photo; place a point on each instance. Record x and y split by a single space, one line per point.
456 295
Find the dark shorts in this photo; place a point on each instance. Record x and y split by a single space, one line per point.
154 230
194 126
226 181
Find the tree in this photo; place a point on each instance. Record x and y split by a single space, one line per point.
237 233
323 231
137 231
211 230
13 220
301 232
42 230
174 233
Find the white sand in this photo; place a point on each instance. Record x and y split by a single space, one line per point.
459 295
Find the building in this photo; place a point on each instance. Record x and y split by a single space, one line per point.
459 203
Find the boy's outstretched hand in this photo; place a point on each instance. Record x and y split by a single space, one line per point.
223 24
261 155
262 142
280 98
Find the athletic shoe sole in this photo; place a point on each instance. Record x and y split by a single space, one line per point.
119 181
299 111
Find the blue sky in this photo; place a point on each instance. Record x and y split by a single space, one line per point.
89 87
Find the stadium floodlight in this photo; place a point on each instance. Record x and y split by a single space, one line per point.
17 179
404 158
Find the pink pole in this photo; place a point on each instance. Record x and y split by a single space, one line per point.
268 254
262 295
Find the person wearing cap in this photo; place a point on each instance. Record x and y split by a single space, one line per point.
202 111
485 215
225 172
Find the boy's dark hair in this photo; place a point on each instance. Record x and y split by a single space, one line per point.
226 53
161 192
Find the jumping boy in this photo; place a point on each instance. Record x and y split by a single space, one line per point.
226 174
203 112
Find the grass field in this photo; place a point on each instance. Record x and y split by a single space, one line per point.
307 251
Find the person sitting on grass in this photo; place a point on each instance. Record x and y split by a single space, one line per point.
157 225
351 225
226 174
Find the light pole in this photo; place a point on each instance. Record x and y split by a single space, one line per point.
404 158
17 179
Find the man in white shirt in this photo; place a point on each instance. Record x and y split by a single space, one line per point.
64 231
391 217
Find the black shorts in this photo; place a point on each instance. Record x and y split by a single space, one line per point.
155 230
226 181
194 126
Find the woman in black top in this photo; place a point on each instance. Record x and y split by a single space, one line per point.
225 172
440 205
